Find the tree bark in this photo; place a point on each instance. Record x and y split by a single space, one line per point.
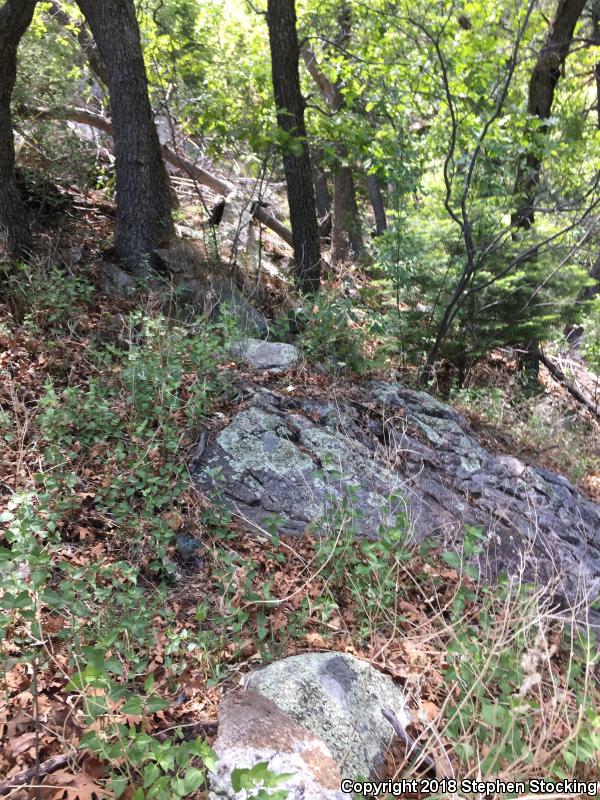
322 197
346 236
346 233
376 198
285 56
542 85
144 220
15 236
595 9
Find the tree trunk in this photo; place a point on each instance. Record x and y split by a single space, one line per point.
322 197
285 56
376 198
346 233
542 85
596 40
15 237
346 237
144 220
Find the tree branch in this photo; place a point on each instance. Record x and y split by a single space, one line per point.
86 42
85 117
560 377
35 773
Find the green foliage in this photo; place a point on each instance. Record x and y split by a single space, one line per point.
502 677
129 413
361 572
329 333
48 299
259 782
163 768
591 342
501 307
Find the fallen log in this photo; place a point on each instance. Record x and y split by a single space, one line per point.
560 377
84 117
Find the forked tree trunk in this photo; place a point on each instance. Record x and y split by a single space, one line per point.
346 236
144 203
15 236
285 55
377 204
542 85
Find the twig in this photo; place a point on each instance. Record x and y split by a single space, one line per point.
38 771
414 752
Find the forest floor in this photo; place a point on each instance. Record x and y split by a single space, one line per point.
117 644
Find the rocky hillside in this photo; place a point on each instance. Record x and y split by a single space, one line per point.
385 454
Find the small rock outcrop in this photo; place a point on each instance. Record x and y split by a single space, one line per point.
338 698
214 295
253 729
261 356
391 452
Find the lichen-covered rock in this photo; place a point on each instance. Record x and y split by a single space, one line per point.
338 698
289 467
391 451
253 729
262 356
214 295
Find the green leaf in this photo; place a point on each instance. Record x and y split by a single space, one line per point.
206 753
156 703
118 784
452 559
151 774
193 779
133 706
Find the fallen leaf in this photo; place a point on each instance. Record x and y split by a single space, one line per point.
22 743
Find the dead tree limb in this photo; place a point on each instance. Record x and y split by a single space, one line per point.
560 377
184 165
35 773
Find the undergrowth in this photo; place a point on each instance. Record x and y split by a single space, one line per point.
538 425
114 644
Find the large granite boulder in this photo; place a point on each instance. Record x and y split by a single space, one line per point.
338 698
391 452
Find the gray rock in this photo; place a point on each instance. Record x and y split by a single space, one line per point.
115 281
215 295
266 356
339 699
395 452
252 729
